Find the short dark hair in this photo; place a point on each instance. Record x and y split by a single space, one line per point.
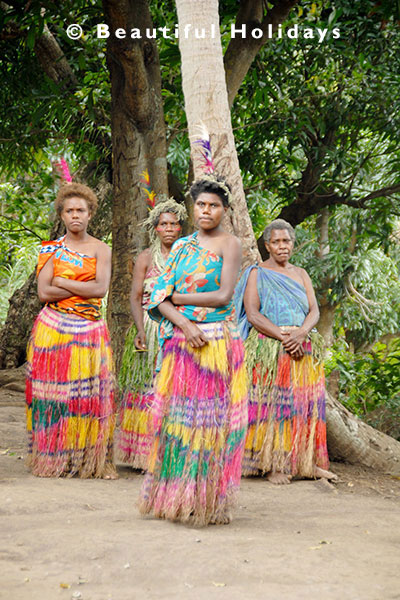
75 190
280 224
209 186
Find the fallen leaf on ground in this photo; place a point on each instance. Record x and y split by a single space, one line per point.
218 584
65 586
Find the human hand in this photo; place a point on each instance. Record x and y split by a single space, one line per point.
293 342
140 341
174 298
194 335
298 354
58 281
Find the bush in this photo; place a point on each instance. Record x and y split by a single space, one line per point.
369 384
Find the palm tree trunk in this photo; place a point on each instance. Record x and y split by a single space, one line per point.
206 100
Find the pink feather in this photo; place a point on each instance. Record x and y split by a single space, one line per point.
205 148
63 169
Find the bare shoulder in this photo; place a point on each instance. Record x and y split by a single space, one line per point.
145 256
143 260
303 274
231 241
101 247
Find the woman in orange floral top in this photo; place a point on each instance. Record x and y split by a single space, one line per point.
70 382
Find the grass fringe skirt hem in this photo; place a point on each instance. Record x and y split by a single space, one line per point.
199 419
70 397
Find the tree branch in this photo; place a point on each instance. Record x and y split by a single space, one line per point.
242 51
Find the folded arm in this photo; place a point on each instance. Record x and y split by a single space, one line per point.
294 339
95 288
232 257
48 291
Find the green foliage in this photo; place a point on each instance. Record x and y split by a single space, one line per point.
50 117
355 275
331 106
14 275
369 384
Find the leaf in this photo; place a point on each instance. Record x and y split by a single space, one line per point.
30 38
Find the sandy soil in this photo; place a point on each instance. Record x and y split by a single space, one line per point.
70 538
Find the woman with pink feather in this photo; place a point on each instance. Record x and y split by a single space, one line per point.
70 381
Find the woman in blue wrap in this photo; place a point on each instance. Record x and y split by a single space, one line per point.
277 311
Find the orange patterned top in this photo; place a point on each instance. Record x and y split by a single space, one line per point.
71 265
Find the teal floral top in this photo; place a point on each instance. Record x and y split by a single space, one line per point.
189 269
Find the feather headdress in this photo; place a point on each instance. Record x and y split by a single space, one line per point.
63 170
158 205
150 194
202 139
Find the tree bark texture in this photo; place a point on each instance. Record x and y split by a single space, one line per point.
206 100
353 441
138 143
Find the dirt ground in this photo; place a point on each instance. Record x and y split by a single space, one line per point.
71 538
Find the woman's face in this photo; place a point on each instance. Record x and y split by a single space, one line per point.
208 211
280 245
168 228
75 214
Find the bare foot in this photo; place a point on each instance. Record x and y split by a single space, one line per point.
278 478
323 474
110 472
223 519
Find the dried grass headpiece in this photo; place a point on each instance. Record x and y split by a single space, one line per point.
159 205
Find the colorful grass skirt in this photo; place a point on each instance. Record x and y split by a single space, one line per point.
136 385
70 397
287 423
199 417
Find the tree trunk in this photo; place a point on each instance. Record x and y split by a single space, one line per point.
325 323
327 310
138 143
206 100
353 441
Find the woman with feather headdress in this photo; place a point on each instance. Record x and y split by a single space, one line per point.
199 411
70 381
164 225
